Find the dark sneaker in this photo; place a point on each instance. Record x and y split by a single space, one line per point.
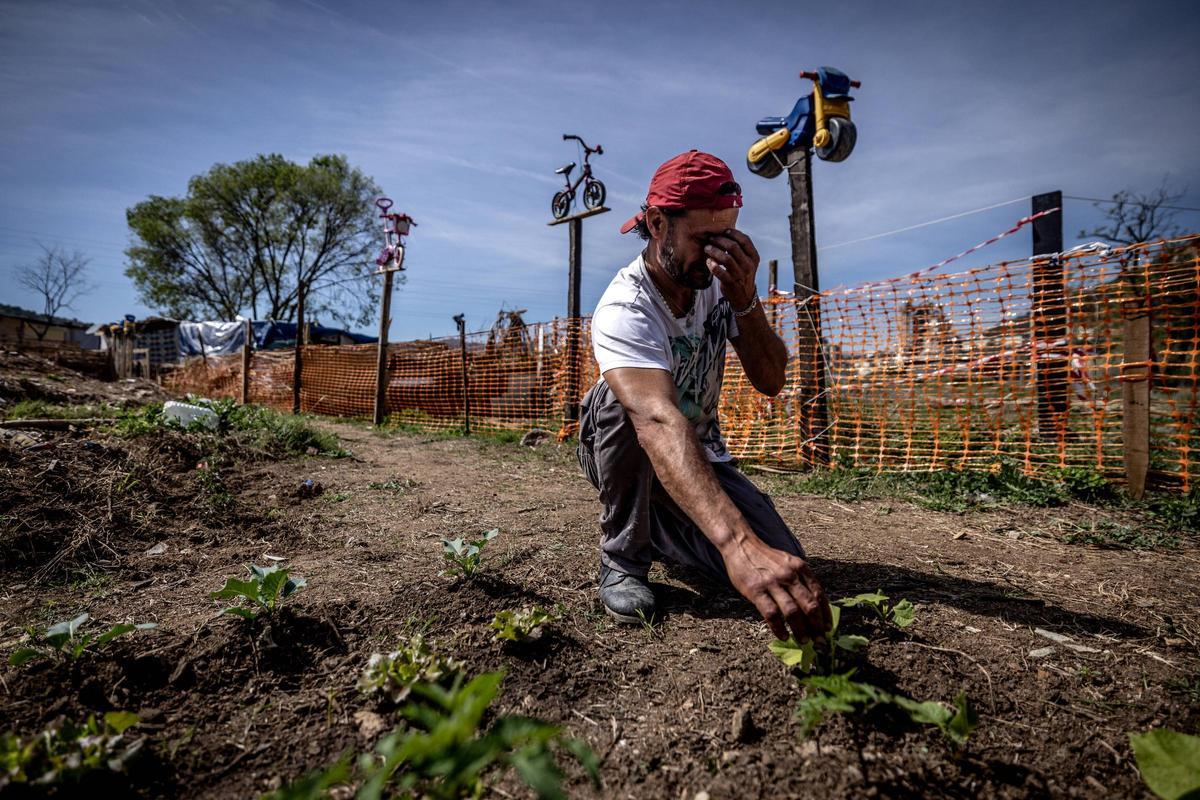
625 595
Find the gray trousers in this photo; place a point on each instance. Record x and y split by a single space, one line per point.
639 521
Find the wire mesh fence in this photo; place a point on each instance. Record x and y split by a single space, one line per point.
1045 362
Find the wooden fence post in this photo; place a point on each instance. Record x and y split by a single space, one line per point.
298 365
772 287
810 364
246 362
1049 317
574 348
461 321
1136 370
385 321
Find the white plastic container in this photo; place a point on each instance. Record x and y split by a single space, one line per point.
186 413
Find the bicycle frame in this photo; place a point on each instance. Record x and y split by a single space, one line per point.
586 172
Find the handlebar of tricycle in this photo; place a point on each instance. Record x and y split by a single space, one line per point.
812 76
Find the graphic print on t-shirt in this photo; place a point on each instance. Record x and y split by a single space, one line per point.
700 363
634 327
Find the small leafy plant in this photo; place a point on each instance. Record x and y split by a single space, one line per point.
266 588
517 626
445 752
899 613
830 691
466 558
66 640
67 751
839 693
394 674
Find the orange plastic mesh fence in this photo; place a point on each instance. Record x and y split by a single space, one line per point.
1020 360
1032 361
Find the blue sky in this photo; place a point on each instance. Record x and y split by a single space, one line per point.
457 110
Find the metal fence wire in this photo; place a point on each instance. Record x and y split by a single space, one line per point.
1033 361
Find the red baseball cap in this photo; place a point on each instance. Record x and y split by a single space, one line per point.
690 180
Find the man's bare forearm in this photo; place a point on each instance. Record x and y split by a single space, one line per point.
763 354
685 472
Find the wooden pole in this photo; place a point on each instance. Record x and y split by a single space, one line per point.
298 366
772 287
1051 355
385 321
574 334
810 366
1135 398
574 350
461 321
246 363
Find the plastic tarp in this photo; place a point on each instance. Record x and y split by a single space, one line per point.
227 338
211 338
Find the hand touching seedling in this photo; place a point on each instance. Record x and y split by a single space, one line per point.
466 558
829 691
66 640
267 588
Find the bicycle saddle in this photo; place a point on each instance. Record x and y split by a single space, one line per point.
565 170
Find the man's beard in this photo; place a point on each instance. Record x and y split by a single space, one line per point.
695 276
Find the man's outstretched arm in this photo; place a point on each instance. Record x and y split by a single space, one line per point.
782 587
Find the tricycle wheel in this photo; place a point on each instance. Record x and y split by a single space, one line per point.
560 205
769 166
842 136
594 194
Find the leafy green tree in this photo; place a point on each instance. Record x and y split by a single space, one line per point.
250 236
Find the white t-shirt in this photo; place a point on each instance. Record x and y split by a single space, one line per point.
633 327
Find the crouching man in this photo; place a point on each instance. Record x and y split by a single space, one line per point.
649 438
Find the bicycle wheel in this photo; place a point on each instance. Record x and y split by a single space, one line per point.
560 205
594 194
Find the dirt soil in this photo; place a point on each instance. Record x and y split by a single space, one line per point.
30 377
696 704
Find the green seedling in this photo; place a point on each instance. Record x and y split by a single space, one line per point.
648 623
443 751
266 588
67 752
900 613
517 626
834 694
805 655
1169 763
66 640
828 691
394 674
466 558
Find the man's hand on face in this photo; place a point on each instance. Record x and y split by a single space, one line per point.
733 260
782 587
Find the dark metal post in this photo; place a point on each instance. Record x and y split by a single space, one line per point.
385 321
1051 355
810 362
298 366
246 362
461 321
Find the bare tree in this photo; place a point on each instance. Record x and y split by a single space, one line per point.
59 278
1131 218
